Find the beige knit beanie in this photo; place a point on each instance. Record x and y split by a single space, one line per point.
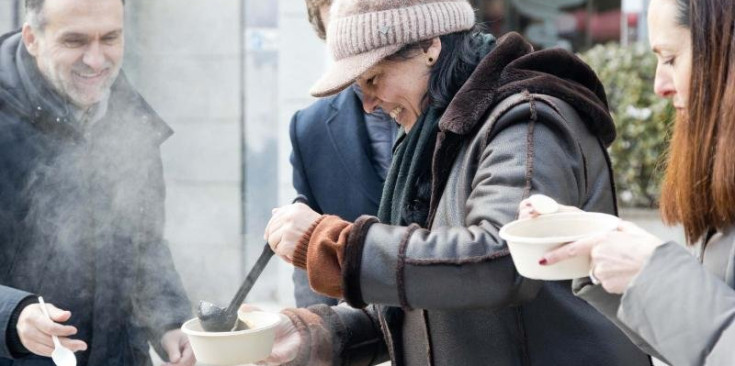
361 33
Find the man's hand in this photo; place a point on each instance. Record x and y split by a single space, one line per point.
35 330
178 348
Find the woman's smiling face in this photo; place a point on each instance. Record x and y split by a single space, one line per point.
398 87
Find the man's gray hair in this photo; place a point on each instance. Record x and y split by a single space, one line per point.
34 13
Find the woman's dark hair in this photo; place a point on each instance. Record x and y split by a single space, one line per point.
699 186
456 62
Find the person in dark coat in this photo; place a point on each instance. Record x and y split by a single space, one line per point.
485 123
82 197
340 156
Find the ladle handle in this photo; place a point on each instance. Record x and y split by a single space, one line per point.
255 272
257 269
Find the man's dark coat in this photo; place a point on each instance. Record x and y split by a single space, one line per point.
81 217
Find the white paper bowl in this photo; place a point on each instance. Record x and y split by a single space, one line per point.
529 239
234 348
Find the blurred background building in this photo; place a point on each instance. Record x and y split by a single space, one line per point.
228 74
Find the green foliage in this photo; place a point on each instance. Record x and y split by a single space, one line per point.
642 119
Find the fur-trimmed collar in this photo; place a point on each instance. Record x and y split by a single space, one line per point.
513 67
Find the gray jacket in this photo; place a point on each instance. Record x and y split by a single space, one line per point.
676 309
449 294
463 301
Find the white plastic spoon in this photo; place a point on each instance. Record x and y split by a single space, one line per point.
61 355
544 205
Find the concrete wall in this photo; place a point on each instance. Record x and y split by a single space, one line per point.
185 59
227 75
7 15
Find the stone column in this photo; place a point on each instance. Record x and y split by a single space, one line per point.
8 16
185 58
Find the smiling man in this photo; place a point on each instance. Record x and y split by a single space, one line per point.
82 197
80 52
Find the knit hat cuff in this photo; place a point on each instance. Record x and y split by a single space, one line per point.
343 73
359 41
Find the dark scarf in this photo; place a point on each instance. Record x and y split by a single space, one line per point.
405 194
407 191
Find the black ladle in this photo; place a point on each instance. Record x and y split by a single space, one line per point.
216 319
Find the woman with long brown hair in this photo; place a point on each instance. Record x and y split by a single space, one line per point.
675 306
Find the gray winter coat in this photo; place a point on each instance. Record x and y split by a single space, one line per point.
449 294
677 309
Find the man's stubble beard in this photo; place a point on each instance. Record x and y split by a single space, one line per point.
67 89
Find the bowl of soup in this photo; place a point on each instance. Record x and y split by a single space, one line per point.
251 344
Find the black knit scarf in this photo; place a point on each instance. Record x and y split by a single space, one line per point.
407 188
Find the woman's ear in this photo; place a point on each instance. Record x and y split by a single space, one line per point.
432 53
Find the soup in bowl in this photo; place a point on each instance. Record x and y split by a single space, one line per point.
234 348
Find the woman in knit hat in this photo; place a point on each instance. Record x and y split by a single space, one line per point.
485 124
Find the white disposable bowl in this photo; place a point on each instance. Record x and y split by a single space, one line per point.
529 239
234 348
